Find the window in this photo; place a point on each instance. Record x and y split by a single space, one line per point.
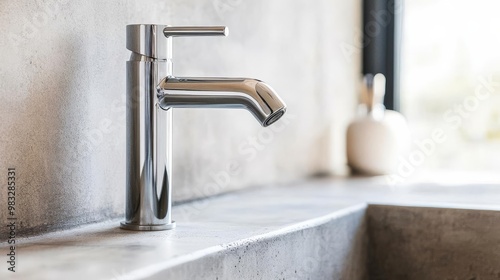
450 81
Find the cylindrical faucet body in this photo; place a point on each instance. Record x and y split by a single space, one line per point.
148 132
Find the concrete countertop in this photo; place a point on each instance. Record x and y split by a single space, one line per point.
103 251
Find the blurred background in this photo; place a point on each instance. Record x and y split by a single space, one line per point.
450 79
442 66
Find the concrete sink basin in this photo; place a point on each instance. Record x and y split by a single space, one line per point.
432 243
366 242
318 230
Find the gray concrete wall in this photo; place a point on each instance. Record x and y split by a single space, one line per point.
62 96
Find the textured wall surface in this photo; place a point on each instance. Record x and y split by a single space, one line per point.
62 77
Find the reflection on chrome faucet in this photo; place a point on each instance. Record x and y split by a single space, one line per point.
152 93
251 94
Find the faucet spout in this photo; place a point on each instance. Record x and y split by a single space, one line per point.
250 94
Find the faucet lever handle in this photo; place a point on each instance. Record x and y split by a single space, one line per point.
176 31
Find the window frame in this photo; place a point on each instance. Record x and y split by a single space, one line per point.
382 44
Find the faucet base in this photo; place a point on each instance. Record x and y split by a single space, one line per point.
124 225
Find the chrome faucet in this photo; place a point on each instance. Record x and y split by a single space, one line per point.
152 92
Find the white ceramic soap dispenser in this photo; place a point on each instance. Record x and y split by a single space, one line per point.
377 138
